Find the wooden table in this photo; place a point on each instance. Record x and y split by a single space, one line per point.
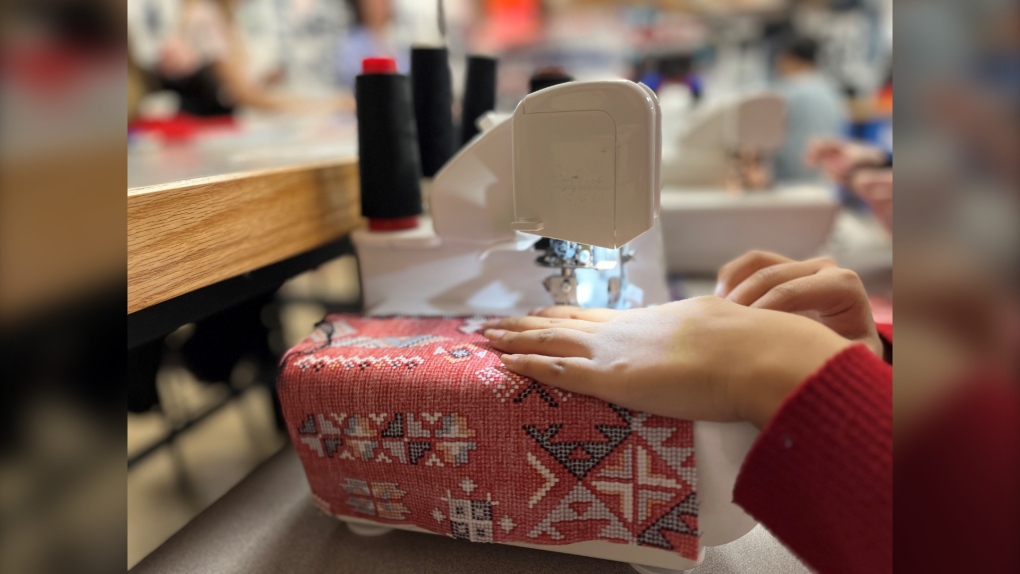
213 220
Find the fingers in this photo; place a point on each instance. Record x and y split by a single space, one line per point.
572 374
532 323
827 292
549 342
569 312
735 272
767 278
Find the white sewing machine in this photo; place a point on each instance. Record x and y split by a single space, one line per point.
713 210
707 148
577 163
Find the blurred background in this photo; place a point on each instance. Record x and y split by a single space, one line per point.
262 83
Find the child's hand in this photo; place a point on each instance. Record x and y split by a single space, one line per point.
699 359
817 289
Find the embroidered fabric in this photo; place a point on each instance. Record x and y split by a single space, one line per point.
414 420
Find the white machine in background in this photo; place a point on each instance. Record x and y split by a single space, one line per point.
713 210
577 163
708 149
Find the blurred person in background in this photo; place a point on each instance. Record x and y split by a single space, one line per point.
814 106
854 36
203 60
372 35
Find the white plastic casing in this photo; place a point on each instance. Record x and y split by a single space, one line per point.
472 195
586 160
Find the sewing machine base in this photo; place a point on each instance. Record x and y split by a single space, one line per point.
705 228
635 556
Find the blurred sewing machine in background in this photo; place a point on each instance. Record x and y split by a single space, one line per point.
718 198
726 141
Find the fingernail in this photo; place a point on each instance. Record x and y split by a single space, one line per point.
493 334
536 311
490 323
720 289
507 359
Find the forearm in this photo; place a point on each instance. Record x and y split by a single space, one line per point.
820 474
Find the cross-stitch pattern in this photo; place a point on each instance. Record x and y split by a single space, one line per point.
416 421
352 437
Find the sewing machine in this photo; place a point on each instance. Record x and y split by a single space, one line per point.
548 206
557 203
718 200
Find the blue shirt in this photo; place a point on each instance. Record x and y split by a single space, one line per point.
814 108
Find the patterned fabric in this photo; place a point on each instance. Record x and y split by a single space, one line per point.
416 421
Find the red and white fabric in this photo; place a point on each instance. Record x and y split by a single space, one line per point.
415 421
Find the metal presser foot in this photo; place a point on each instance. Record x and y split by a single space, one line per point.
569 257
563 288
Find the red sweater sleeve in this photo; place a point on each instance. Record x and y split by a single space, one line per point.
820 474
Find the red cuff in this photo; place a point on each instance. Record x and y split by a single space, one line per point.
820 475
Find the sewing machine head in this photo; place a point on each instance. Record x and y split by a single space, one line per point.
586 176
570 180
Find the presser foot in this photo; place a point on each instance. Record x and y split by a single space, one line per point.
598 263
563 288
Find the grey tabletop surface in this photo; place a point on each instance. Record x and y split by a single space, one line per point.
267 524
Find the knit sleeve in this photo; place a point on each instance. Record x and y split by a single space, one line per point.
820 474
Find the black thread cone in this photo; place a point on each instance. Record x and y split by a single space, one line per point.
388 161
548 77
479 94
433 99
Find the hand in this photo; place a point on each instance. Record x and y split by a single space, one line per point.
699 359
840 158
817 289
875 187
